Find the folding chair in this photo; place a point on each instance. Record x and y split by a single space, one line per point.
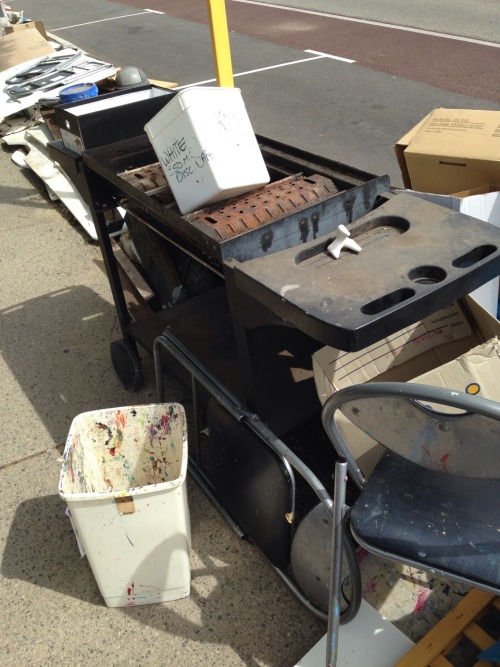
433 500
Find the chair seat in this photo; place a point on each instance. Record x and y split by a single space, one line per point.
436 521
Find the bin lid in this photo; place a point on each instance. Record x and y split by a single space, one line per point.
188 98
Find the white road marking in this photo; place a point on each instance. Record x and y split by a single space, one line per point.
112 18
329 55
261 69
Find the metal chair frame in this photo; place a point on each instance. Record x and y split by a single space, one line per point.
404 418
201 377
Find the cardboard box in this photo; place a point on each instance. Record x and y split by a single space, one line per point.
475 372
430 352
21 46
451 150
400 148
483 204
109 118
27 25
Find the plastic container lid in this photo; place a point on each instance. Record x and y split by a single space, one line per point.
79 91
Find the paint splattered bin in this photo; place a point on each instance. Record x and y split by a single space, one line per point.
124 481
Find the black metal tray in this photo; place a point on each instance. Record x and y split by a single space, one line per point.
416 258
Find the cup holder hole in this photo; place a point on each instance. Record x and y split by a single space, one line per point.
387 301
427 275
474 256
398 223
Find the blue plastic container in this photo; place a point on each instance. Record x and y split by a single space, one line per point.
77 92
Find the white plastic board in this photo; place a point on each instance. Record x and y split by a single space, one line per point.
367 641
56 181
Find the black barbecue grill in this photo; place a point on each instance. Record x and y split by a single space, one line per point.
245 342
307 198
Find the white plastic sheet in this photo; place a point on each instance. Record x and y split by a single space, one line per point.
9 107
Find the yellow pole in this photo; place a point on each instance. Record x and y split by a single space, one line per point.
220 42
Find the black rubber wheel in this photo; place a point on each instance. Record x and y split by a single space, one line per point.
127 365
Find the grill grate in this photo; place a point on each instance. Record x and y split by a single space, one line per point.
271 202
149 179
240 214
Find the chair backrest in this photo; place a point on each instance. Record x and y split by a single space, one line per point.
440 429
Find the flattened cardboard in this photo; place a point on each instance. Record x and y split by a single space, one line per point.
451 150
163 84
415 354
27 25
21 46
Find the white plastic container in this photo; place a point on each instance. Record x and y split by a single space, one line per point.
207 148
124 481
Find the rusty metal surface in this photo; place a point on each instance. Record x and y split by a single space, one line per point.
264 205
240 214
311 196
147 179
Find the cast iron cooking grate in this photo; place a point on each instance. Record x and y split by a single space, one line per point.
240 214
149 179
266 204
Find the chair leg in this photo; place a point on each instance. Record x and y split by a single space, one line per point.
339 495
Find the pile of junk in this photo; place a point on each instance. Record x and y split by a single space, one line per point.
317 313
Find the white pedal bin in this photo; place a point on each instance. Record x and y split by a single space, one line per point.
206 146
124 481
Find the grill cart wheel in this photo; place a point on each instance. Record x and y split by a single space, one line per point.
127 365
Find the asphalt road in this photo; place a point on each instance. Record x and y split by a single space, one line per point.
361 89
479 19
